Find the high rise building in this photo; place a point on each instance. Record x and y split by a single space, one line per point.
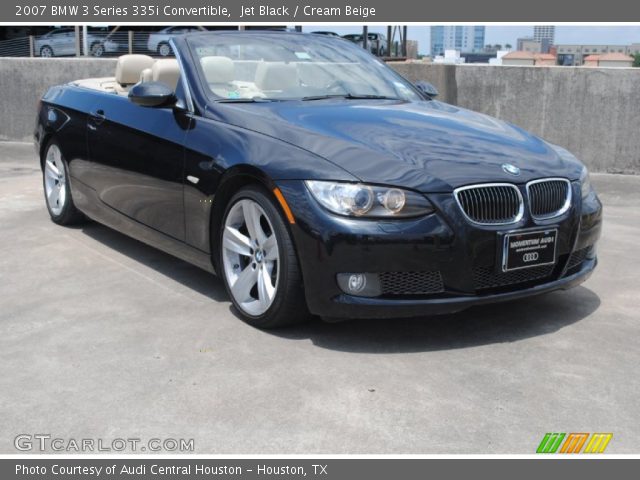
465 39
544 32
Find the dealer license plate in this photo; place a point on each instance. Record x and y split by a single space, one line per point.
529 249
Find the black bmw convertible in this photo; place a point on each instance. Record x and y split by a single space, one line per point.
314 180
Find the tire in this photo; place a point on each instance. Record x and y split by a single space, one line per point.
258 264
164 49
57 191
46 51
97 50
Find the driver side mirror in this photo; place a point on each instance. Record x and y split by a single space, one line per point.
427 89
152 94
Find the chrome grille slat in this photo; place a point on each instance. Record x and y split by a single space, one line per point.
491 203
549 197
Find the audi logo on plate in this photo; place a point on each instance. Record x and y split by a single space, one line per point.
530 257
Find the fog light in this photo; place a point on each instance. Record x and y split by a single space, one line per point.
360 284
357 282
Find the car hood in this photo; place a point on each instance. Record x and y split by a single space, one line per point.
427 146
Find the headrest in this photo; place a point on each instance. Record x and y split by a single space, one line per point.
218 69
276 76
166 71
146 75
130 68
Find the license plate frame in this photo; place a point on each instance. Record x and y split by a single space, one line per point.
540 253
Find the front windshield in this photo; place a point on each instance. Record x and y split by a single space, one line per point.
286 66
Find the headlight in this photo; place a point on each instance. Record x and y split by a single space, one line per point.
585 182
359 200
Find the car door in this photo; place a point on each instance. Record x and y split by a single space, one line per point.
63 42
137 155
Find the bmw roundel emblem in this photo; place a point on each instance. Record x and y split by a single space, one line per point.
510 169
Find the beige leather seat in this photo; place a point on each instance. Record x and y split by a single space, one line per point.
219 72
129 69
276 77
146 75
166 71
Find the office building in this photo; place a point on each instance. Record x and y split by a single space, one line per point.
465 39
544 32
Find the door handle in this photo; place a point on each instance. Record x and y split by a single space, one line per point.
98 116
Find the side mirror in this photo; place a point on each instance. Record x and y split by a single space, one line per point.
426 89
152 94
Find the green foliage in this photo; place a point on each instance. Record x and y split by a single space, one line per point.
636 60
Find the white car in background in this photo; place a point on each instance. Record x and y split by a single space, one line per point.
62 41
159 41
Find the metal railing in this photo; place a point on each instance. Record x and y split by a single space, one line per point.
69 42
97 44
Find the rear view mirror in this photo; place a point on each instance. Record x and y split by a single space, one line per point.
152 94
427 89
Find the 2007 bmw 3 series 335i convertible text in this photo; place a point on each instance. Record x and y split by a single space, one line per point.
313 179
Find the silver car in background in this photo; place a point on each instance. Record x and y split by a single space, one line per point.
62 41
376 42
158 42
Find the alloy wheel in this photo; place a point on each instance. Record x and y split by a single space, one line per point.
97 50
164 50
250 257
46 52
55 180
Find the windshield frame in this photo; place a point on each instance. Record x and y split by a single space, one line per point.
363 55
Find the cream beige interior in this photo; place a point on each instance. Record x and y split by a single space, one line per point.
226 78
129 68
132 69
222 76
146 75
166 71
276 77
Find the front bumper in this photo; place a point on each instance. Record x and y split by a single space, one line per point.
466 257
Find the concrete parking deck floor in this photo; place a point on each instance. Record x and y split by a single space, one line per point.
104 337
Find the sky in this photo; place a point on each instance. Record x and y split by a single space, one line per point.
622 35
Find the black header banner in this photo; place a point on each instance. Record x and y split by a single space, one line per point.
314 11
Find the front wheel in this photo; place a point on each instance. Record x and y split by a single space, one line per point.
57 193
258 261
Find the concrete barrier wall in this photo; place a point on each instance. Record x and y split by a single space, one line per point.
23 81
593 112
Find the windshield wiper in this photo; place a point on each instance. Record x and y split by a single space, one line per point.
351 96
245 100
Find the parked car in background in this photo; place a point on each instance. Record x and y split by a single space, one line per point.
101 41
158 42
62 41
376 42
324 32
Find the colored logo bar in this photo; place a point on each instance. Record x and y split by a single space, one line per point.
573 443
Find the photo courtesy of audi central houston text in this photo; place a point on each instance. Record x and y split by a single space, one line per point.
314 180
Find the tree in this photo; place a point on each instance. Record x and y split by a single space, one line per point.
636 60
497 46
508 46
